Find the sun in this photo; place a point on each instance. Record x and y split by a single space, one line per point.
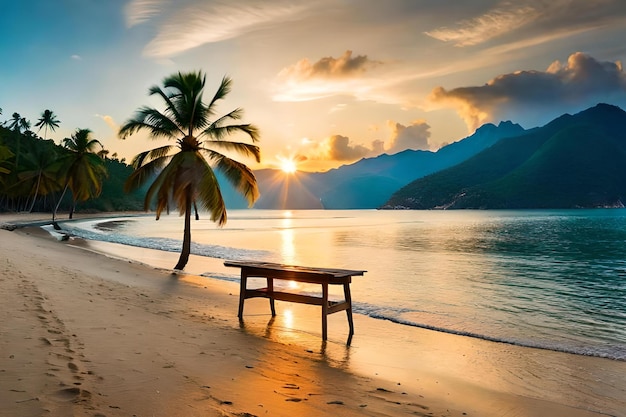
288 165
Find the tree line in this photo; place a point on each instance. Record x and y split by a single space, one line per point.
39 175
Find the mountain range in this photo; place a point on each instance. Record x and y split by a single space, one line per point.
370 182
574 161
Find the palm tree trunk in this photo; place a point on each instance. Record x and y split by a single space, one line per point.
186 250
54 212
30 210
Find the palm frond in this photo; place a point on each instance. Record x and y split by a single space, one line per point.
209 195
161 186
170 107
185 92
159 125
151 154
85 176
242 148
144 171
236 114
221 92
220 132
239 175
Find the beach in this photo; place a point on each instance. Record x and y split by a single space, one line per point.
87 334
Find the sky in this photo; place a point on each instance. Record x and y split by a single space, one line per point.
327 82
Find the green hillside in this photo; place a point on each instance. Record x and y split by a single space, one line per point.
575 161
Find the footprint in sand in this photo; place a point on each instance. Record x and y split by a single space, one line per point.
73 394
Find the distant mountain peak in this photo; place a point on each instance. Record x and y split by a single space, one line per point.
507 123
573 161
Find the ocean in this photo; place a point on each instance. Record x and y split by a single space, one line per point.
549 279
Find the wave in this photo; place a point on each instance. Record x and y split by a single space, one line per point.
392 314
164 244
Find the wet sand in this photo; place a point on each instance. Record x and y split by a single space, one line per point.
86 334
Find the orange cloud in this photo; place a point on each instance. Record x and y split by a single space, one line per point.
328 67
348 74
340 149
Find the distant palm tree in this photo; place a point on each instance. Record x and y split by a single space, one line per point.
15 121
47 120
185 172
18 123
84 169
103 153
41 169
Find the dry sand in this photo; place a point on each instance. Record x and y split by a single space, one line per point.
83 334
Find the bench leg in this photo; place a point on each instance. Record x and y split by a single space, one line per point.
242 293
348 298
324 311
270 294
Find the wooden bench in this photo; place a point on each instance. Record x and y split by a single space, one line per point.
322 276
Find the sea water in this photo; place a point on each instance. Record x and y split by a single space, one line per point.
552 279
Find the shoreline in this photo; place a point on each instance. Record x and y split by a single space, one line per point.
137 327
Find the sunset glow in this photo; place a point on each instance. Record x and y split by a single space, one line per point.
288 165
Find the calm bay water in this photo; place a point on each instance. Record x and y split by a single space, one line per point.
554 279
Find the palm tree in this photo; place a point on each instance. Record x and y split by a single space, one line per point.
15 121
185 171
84 168
47 120
40 171
18 123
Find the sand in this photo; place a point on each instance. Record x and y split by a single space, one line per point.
84 334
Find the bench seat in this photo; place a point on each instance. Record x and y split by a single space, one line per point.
310 275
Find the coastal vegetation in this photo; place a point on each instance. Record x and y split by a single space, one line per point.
35 171
84 168
183 174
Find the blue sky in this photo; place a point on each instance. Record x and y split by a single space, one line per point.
327 82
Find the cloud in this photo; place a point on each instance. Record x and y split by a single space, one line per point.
496 22
531 19
581 81
187 24
76 57
329 76
414 136
339 149
378 147
140 11
328 67
336 148
113 125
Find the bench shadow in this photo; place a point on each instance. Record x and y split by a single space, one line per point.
330 351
